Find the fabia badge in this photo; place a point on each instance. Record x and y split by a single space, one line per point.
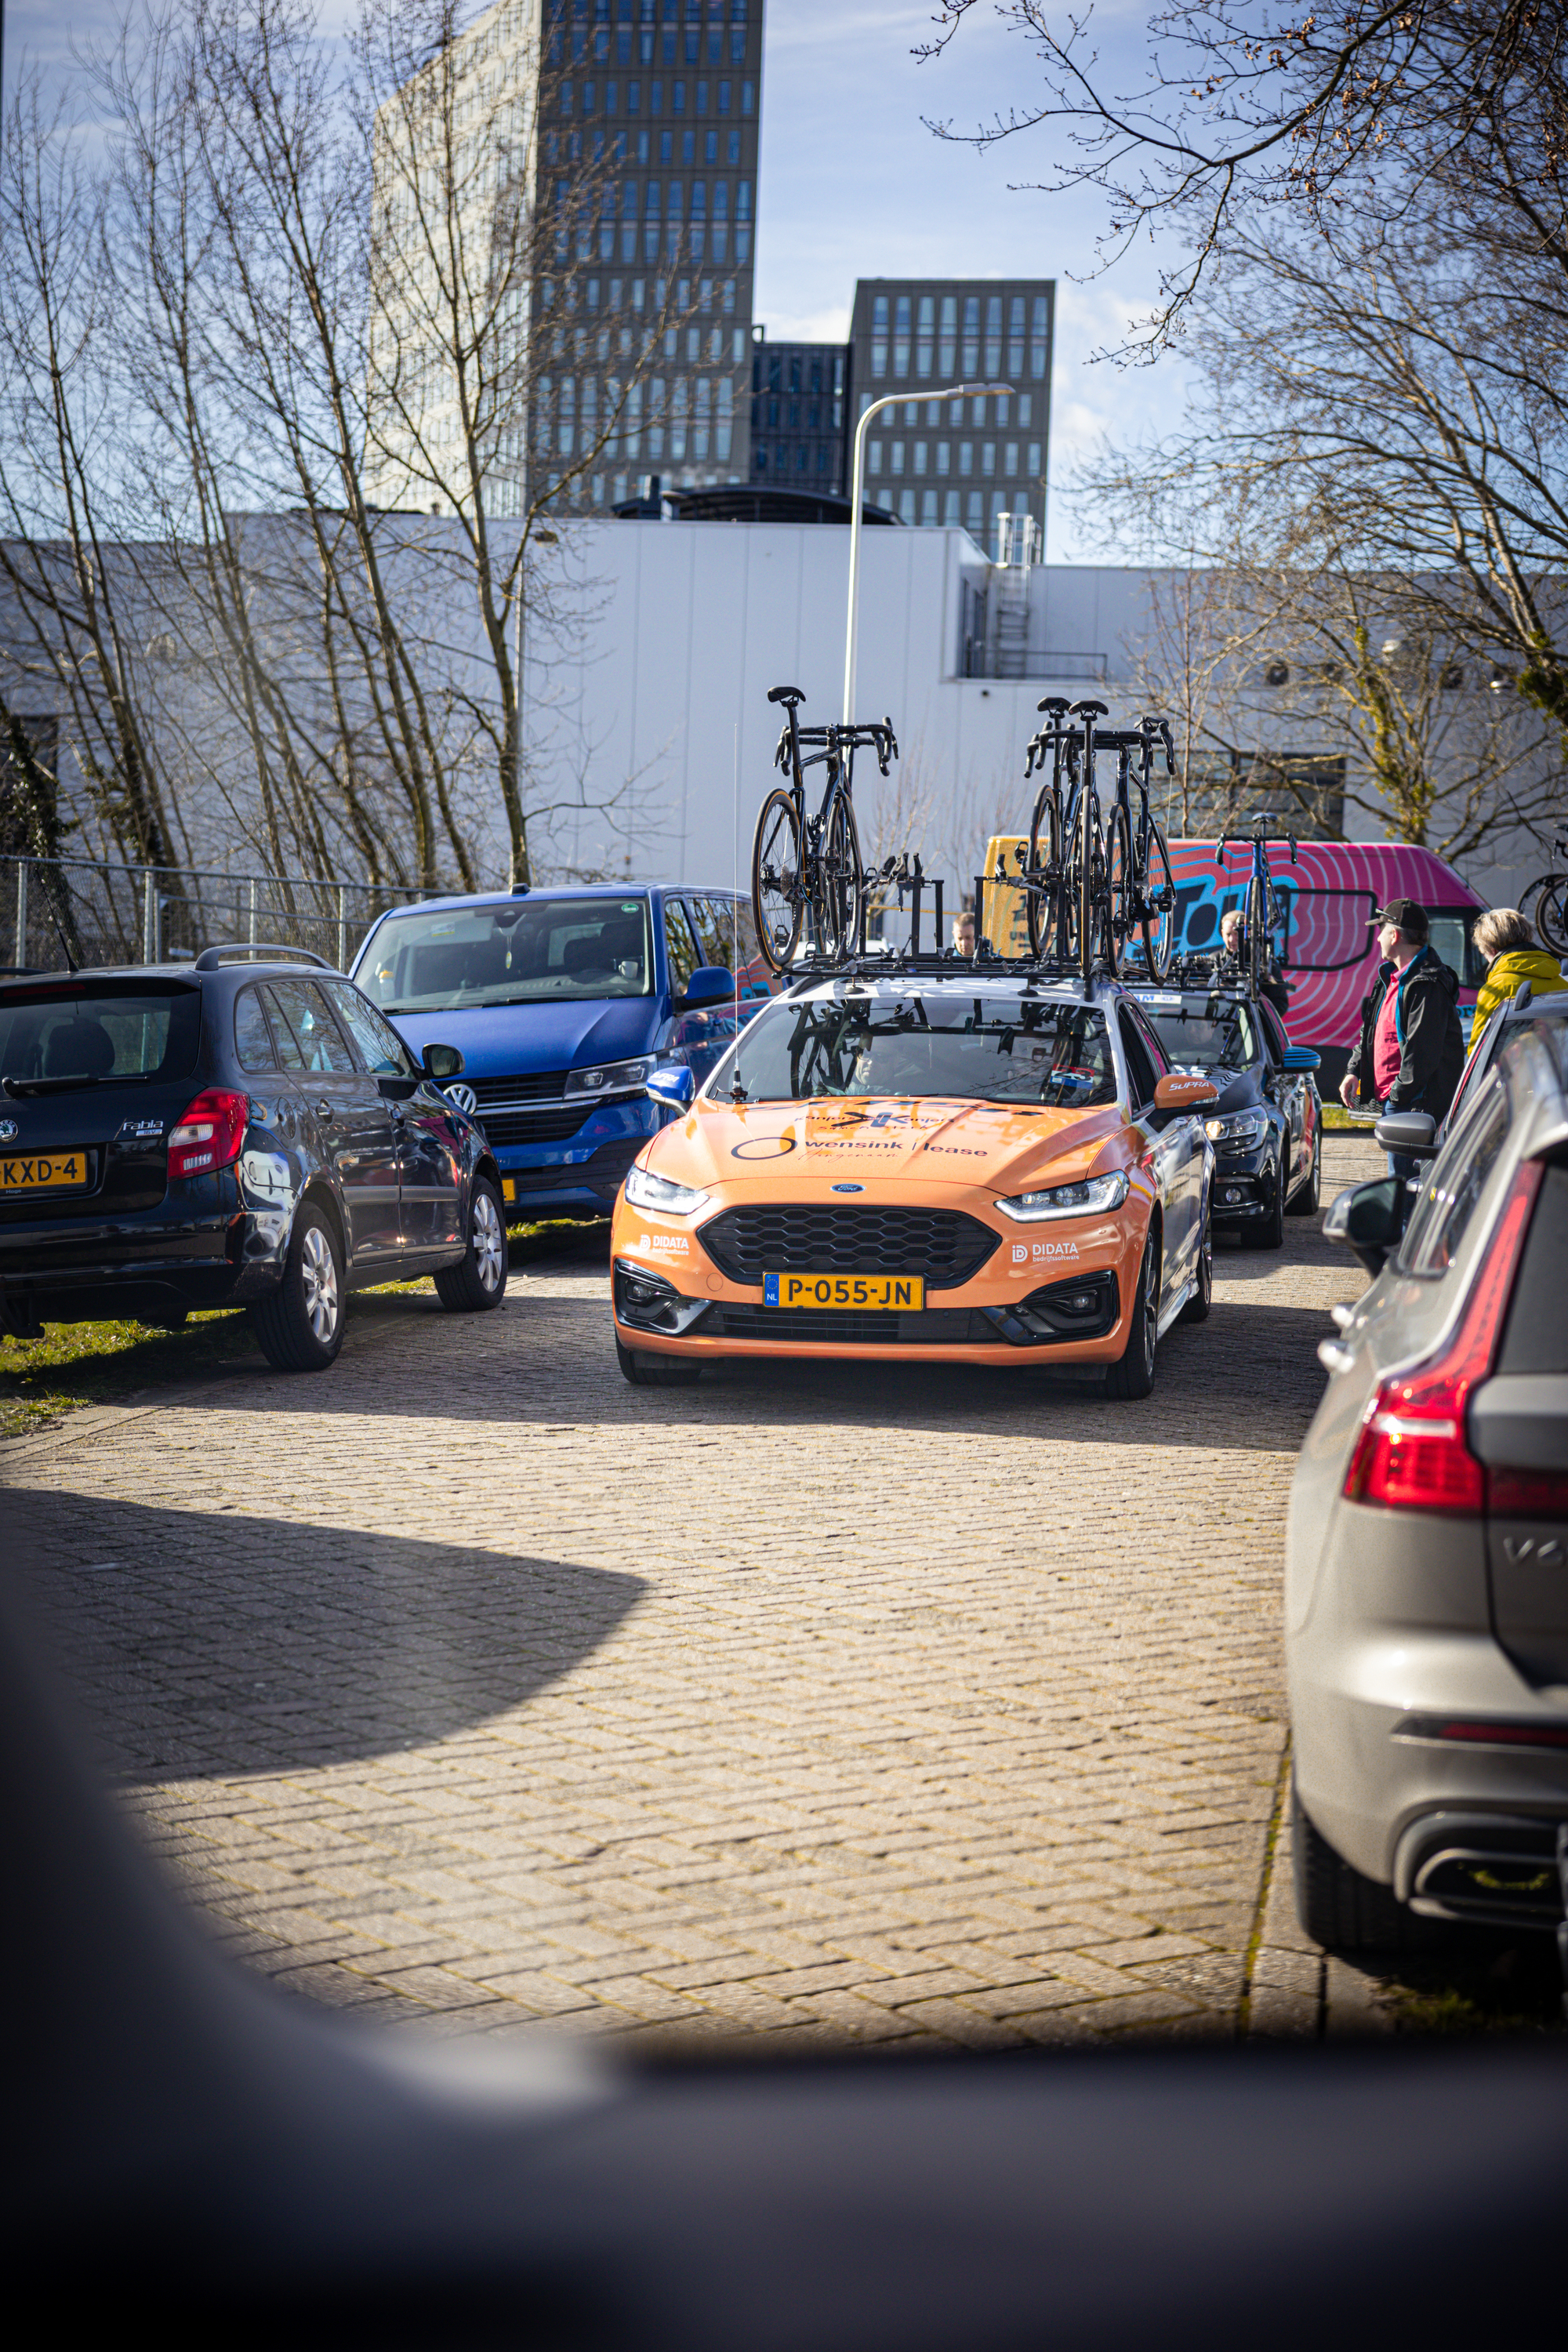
849 1188
9 1130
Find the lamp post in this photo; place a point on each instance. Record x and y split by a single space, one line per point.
889 400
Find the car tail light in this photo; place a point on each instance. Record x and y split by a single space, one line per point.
1528 1493
1411 1454
209 1134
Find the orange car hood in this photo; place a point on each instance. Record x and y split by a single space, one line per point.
929 1140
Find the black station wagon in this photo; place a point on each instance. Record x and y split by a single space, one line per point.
236 1132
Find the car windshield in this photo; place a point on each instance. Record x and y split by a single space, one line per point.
522 951
1223 1035
1002 1050
78 1033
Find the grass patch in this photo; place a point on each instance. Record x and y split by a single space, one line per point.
103 1363
558 1237
1337 1121
1492 1983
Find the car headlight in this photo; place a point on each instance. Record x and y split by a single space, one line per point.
646 1191
1087 1200
1238 1127
609 1078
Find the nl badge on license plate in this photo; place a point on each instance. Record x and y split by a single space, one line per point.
890 1293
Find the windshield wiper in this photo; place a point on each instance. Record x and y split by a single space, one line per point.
61 1086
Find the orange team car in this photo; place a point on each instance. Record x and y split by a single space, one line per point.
958 1168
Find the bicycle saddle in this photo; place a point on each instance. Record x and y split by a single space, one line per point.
1088 710
790 695
1055 703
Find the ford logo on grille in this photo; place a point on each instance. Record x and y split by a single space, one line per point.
849 1188
463 1097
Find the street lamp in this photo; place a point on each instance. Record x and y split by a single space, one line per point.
891 400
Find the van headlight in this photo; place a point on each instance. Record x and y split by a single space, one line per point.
1239 1128
646 1191
609 1078
1090 1199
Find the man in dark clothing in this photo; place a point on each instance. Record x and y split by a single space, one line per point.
1412 1049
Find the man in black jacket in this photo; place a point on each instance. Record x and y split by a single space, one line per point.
1412 1050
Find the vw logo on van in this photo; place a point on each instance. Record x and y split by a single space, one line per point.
463 1097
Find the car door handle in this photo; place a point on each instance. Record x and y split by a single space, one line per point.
324 1111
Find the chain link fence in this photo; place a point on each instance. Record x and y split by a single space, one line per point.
96 913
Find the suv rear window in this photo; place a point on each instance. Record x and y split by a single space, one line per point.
86 1031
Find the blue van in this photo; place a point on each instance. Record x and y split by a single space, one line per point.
562 1002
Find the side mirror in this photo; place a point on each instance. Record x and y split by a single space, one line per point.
441 1062
671 1083
1301 1058
1413 1132
1368 1221
1183 1090
709 984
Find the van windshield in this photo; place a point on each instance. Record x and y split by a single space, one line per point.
520 952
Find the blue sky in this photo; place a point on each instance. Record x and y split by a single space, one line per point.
852 185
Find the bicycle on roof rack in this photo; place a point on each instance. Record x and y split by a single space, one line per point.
1092 880
1545 904
1261 912
806 869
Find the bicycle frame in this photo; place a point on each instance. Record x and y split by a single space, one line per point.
1261 882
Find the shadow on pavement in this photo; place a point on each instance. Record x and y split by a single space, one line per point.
200 1645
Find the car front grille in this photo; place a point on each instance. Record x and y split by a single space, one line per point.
939 1327
534 1125
942 1245
522 1086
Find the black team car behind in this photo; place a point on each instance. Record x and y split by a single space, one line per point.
230 1134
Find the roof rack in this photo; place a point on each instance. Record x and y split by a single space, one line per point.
238 950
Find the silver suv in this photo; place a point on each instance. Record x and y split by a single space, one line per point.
1427 1565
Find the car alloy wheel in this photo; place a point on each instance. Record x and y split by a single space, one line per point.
318 1285
487 1240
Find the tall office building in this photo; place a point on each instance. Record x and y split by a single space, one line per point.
636 121
960 461
800 411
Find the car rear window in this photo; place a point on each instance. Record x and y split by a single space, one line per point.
1536 1339
86 1031
1221 1036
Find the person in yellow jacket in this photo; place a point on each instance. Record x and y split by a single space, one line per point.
1509 947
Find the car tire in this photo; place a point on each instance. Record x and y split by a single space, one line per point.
1308 1199
1273 1235
1198 1307
1341 1909
656 1371
477 1281
298 1327
1133 1375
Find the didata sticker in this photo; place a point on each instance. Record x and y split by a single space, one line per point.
676 1242
1056 1249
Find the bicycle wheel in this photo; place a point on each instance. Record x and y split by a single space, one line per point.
1044 912
1257 933
1158 898
778 894
1119 890
1552 913
842 882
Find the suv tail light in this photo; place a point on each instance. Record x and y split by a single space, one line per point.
210 1133
1411 1454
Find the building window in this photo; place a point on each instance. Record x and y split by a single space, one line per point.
1010 459
988 456
896 458
975 517
927 509
948 356
1034 461
885 501
925 326
878 336
748 95
972 335
1015 336
994 335
950 514
944 457
1041 336
874 457
920 452
906 505
966 456
1025 408
1004 409
901 337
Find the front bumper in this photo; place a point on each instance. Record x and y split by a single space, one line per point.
1244 1183
585 1172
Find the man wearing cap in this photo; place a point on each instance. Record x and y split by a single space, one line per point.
1412 1049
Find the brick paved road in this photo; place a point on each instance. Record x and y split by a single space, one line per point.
467 1684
